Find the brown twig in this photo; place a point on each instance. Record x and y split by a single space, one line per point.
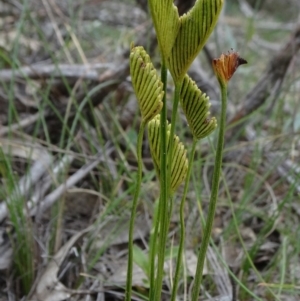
89 72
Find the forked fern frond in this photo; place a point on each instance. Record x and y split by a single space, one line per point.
166 22
179 162
146 83
196 27
195 105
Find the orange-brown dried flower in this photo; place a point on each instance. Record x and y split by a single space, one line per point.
226 65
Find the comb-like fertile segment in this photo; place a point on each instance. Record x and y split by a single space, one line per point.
146 83
195 105
166 22
196 27
179 162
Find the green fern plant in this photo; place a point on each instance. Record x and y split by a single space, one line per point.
149 91
180 39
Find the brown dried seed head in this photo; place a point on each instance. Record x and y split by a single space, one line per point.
226 65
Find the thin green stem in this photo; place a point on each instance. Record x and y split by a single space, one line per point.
173 124
164 217
133 211
213 197
182 224
162 222
153 249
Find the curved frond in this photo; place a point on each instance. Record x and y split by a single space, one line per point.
179 160
166 22
195 105
146 83
196 27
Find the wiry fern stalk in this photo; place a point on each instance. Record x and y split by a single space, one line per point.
195 105
182 224
173 124
133 212
153 247
163 198
224 68
212 201
178 170
180 40
166 22
149 91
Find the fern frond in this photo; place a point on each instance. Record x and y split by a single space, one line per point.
166 22
195 28
179 162
195 105
146 83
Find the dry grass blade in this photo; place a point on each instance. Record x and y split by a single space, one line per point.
6 252
51 198
220 275
22 124
48 287
42 163
289 170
